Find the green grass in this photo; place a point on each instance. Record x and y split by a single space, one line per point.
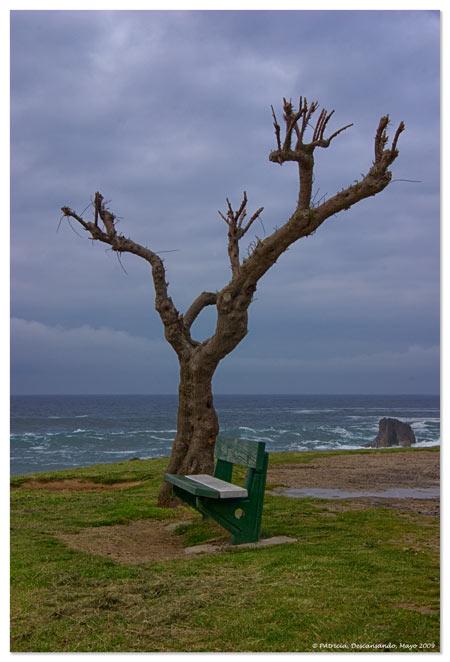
354 577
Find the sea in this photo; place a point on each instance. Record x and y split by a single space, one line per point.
63 431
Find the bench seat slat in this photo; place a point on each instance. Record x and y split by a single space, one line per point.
191 486
226 490
207 486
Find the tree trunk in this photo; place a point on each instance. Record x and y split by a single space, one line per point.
197 424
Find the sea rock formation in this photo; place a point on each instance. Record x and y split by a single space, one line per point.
392 432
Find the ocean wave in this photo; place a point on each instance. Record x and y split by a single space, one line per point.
127 452
427 443
298 447
311 411
343 432
65 417
273 429
420 426
350 447
256 438
399 408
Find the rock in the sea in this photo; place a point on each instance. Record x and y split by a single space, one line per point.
392 432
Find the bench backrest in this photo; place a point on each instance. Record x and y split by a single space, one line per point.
241 451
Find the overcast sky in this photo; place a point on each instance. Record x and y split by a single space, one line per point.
167 113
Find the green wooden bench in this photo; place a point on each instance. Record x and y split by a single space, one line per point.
237 509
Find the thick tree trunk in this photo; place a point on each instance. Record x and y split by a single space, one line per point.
197 425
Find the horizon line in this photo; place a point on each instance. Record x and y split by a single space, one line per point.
26 395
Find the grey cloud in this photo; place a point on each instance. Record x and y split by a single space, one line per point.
168 113
50 358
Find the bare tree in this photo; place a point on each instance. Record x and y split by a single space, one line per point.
197 423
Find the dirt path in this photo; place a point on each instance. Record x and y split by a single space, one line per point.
141 541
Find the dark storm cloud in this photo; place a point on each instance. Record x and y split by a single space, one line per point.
167 113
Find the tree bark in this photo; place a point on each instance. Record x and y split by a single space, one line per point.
197 424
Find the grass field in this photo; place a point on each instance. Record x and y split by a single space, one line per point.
357 578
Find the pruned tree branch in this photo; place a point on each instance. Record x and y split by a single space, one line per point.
305 219
174 328
237 229
303 153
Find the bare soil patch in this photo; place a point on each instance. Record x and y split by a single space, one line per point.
75 485
430 507
141 541
361 471
379 471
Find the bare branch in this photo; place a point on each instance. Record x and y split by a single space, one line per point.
253 218
385 157
236 230
305 220
223 217
98 200
69 212
204 299
381 137
400 129
284 152
325 142
171 318
277 129
241 212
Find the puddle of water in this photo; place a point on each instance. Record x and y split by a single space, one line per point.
393 493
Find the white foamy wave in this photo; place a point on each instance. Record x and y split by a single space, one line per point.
420 426
256 438
431 419
349 447
381 409
427 443
342 432
324 446
297 447
272 429
128 452
243 427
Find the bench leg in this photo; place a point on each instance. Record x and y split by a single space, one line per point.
238 518
241 517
